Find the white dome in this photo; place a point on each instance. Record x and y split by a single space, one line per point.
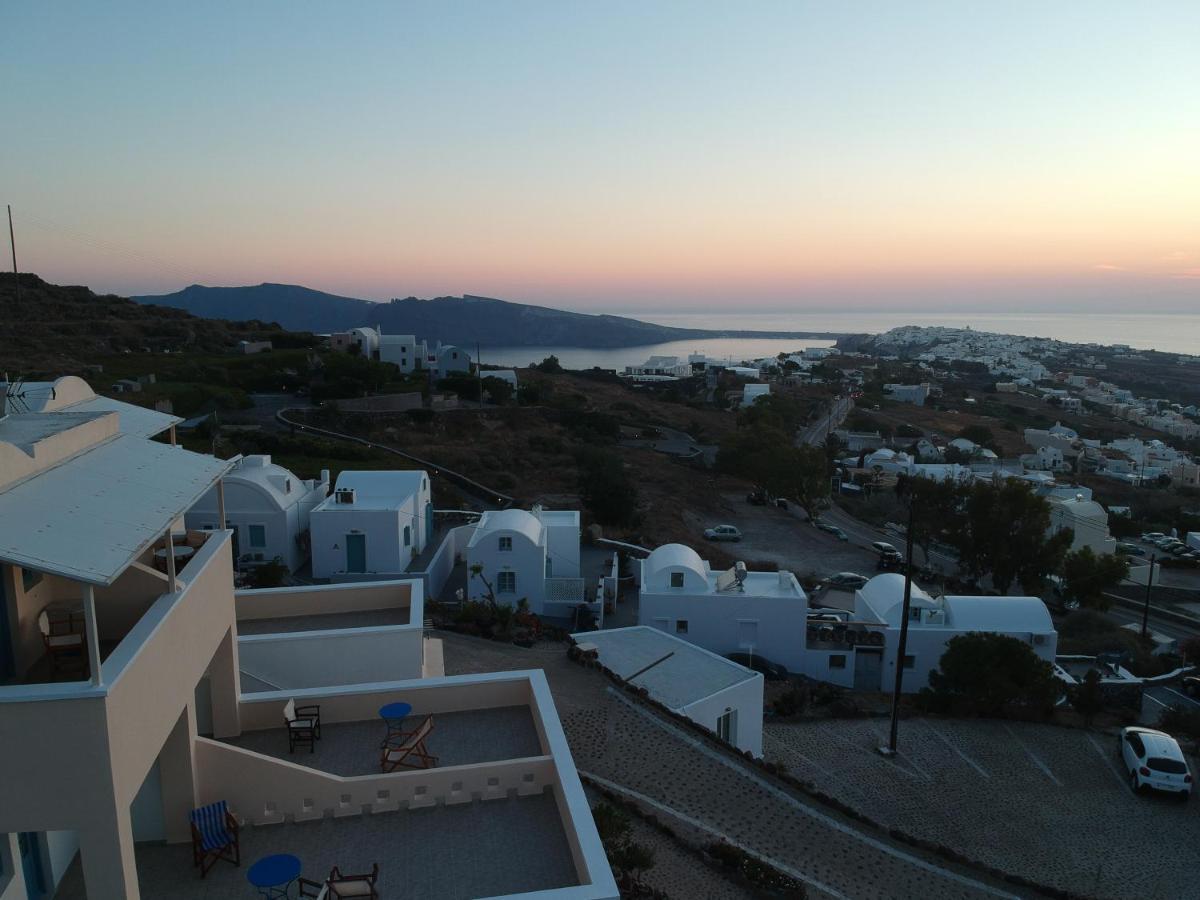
675 556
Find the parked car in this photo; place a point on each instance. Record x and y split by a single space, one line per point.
770 671
1154 760
1149 537
1191 685
834 530
1130 549
884 547
846 580
757 498
890 562
723 533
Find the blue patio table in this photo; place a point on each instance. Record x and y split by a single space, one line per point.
393 715
273 875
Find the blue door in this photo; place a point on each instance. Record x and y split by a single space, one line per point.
7 662
31 864
356 553
428 524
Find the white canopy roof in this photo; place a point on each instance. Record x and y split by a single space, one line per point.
1002 614
90 517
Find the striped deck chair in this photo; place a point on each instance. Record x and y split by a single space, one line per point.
398 748
214 836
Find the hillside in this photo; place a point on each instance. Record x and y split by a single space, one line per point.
465 320
54 329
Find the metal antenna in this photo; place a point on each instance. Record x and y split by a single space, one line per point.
12 241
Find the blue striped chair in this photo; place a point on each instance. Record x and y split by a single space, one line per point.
214 836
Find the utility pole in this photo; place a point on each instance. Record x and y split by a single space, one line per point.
12 241
1149 585
890 749
479 374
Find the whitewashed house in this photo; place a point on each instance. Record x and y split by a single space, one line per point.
726 612
859 649
531 555
267 508
364 339
660 367
402 350
373 524
915 394
446 359
1086 519
717 693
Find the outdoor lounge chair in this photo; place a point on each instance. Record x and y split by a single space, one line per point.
303 725
344 887
310 888
398 748
214 836
65 648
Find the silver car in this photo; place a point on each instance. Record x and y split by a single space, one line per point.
723 533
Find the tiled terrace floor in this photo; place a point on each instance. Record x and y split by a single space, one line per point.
481 849
458 738
372 618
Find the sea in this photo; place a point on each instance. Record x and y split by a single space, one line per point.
1168 332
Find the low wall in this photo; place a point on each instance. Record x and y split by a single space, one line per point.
267 790
435 575
313 600
311 659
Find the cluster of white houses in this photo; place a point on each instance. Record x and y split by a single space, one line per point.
138 687
403 350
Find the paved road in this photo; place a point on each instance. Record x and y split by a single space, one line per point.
1158 698
816 433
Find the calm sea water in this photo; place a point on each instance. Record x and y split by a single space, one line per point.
1170 332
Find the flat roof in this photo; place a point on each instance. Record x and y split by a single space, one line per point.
73 395
760 584
690 674
375 489
91 516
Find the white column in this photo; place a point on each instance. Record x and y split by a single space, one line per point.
91 633
172 435
171 585
221 503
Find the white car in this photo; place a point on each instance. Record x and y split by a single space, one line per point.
723 533
883 548
1153 760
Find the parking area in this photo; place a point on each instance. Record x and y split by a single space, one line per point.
1047 802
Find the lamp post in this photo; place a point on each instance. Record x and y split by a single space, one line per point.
890 749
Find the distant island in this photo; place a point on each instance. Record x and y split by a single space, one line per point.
461 320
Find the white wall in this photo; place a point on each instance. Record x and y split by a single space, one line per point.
382 528
715 622
926 645
746 700
526 558
562 546
313 659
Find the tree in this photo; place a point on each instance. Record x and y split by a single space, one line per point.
1088 577
627 858
549 365
605 487
938 510
1087 698
994 672
499 390
1190 648
979 434
768 457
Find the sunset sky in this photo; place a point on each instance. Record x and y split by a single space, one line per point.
614 156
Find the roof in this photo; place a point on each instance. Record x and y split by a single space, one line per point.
1017 614
270 478
384 489
91 516
1084 509
689 675
884 594
518 520
675 556
71 394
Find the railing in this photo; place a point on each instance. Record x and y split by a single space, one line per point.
564 590
266 790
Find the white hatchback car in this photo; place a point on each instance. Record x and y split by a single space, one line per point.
723 533
1153 760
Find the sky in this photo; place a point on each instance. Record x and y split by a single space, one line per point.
616 156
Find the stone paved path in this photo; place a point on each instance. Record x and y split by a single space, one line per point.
627 744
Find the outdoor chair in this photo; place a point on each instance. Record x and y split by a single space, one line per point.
214 836
303 725
398 749
61 645
310 888
357 886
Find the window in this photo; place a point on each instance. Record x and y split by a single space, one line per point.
676 579
407 535
549 567
727 726
506 583
207 527
1136 743
258 535
914 614
909 661
681 626
30 578
837 661
505 544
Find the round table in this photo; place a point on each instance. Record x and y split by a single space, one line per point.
181 552
273 875
394 714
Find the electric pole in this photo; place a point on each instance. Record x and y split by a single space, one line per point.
12 241
479 374
890 749
1149 585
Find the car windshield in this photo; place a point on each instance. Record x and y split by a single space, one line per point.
1170 766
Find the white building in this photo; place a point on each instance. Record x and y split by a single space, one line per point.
725 612
267 508
859 650
402 350
916 394
444 360
374 523
1086 519
717 693
752 392
661 366
531 555
365 339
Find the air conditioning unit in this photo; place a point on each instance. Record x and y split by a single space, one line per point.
344 495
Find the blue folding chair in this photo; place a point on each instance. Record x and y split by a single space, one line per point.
214 836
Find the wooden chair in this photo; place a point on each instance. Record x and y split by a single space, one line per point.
303 725
61 645
398 748
344 887
214 836
310 888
